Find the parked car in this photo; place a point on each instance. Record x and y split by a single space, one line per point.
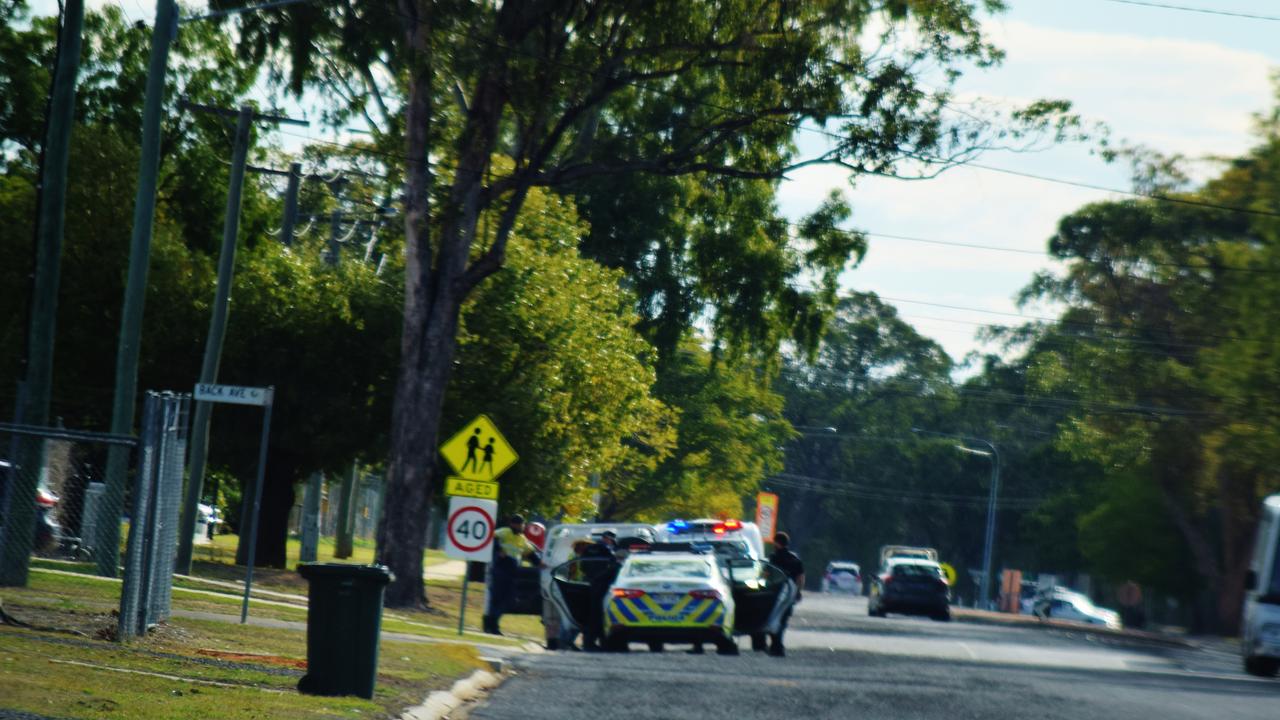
910 587
1260 639
842 576
1065 604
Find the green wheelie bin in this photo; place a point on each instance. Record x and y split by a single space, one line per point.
344 619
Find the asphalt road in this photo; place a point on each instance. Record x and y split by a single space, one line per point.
843 664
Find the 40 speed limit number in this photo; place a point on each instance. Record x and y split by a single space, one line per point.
469 530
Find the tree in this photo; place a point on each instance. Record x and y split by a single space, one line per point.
726 86
1172 319
552 354
730 430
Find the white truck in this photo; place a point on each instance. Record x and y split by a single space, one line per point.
903 552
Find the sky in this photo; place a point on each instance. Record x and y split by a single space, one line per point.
1174 80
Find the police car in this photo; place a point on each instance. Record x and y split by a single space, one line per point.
753 594
559 550
670 597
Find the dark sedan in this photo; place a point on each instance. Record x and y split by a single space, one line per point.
912 587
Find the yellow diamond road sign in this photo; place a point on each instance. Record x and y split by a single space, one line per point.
478 451
471 488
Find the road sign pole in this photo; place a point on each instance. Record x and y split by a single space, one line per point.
257 503
462 611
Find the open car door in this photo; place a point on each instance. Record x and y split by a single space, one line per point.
527 598
578 588
761 594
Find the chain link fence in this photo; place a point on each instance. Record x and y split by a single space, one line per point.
51 494
145 597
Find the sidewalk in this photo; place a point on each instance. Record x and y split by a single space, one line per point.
447 570
990 617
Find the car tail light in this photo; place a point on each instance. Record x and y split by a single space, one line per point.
630 593
705 594
886 579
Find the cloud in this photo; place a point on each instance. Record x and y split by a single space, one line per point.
1175 95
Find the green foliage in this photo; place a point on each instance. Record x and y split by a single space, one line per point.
730 430
549 350
1169 346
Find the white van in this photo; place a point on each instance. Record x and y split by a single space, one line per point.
745 535
558 550
1260 643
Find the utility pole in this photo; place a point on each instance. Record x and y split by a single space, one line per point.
107 543
291 204
15 556
217 323
335 220
344 545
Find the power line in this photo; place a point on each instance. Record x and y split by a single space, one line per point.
1001 397
1058 321
1091 186
1043 253
1187 8
869 492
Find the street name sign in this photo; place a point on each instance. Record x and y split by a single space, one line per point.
234 394
469 529
461 487
478 451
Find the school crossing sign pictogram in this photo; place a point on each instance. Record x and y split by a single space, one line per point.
478 451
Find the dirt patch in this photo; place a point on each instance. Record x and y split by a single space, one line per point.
254 658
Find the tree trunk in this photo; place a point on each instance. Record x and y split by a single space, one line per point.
435 287
273 521
411 466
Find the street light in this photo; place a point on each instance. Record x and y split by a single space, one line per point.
988 551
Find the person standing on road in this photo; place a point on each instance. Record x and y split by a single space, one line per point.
788 562
568 628
509 547
600 575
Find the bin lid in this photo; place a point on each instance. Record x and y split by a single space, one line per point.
368 573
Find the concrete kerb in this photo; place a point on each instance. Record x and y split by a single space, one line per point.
441 703
987 617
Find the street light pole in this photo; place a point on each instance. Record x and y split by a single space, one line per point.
988 550
989 543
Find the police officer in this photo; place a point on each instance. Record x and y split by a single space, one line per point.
600 576
788 562
509 547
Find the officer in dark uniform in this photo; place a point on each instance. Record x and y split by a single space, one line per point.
788 562
600 575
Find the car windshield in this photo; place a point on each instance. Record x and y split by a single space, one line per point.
913 570
654 567
733 550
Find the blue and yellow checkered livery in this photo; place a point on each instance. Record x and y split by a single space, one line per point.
646 612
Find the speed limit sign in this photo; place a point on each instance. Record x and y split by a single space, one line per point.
469 532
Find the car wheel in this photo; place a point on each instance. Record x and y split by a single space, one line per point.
944 616
759 643
1261 666
874 611
656 647
615 644
726 646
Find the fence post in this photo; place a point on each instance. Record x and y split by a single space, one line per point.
132 620
311 518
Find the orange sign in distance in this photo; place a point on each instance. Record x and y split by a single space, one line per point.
767 515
